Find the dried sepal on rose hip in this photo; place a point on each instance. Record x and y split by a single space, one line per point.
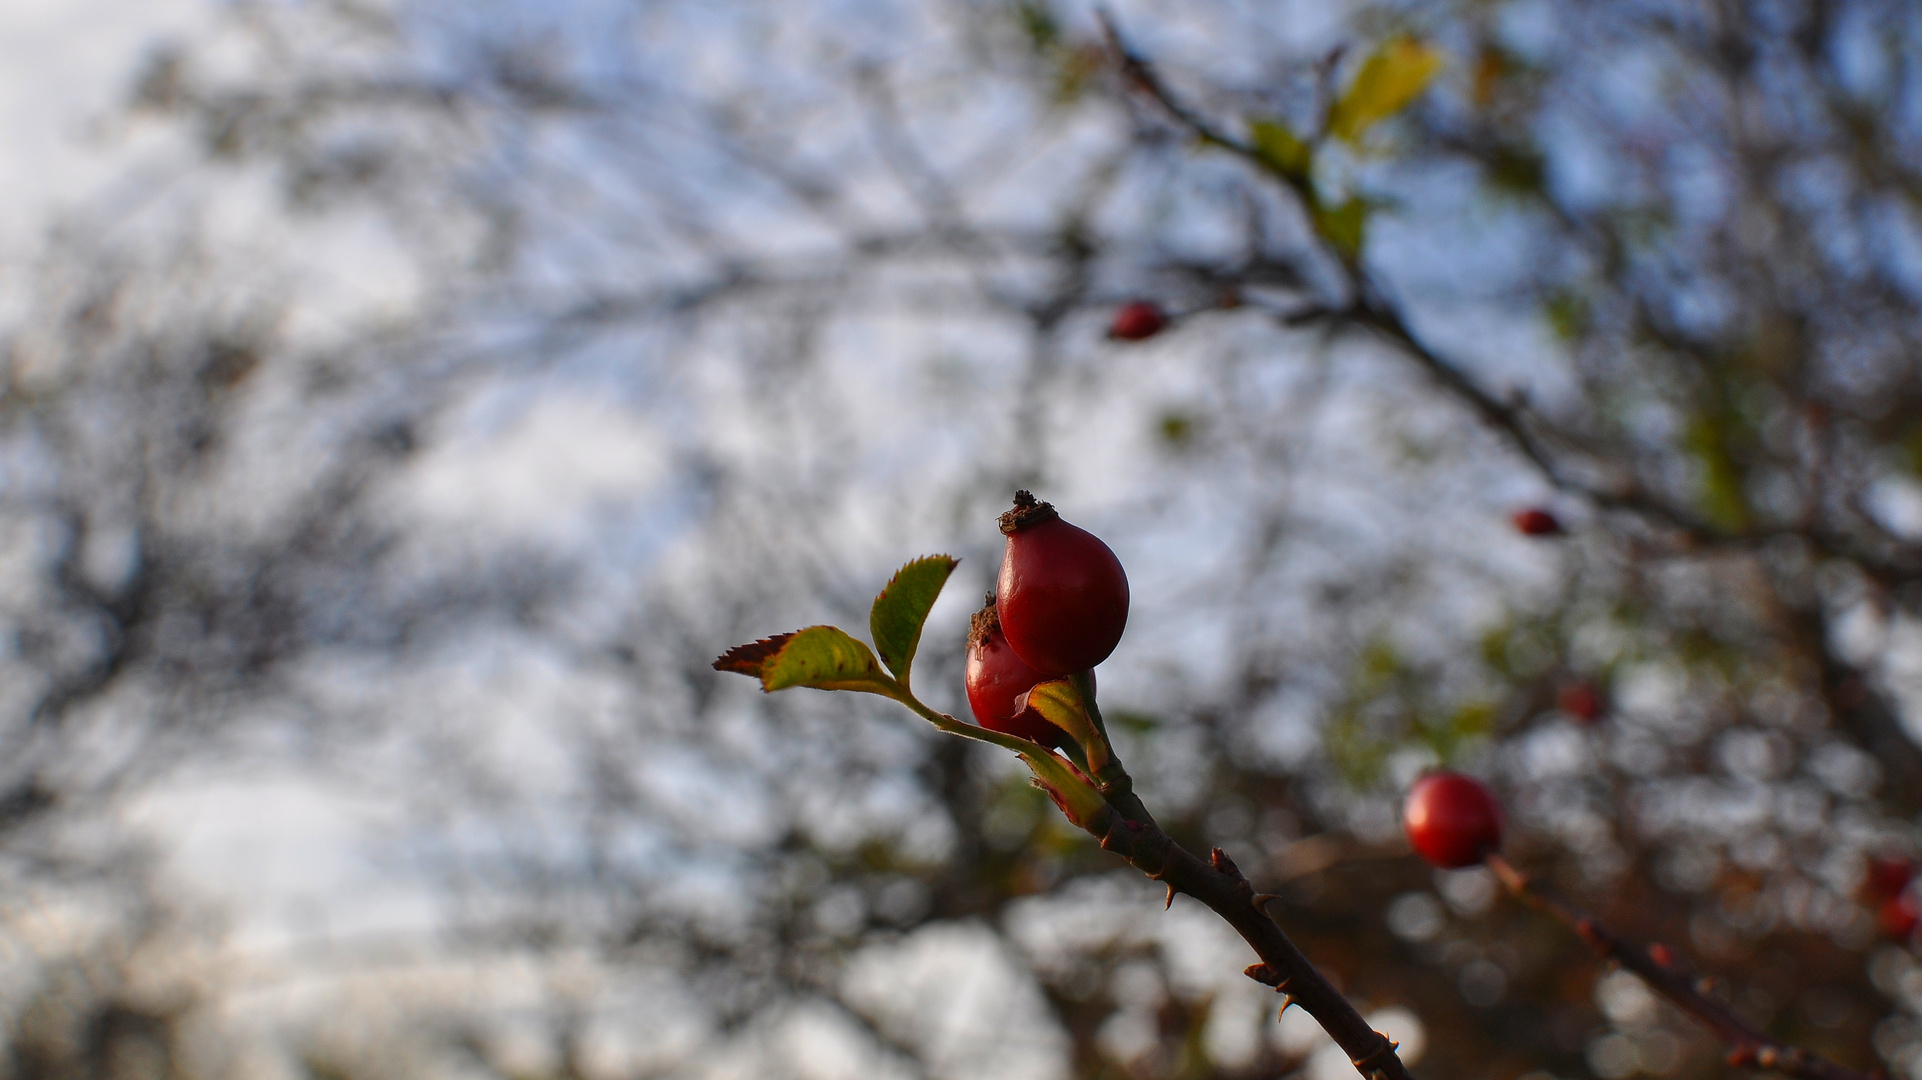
1062 596
998 683
1452 820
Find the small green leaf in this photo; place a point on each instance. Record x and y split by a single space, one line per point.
822 657
1177 429
899 611
1343 226
1060 704
1395 75
1568 315
1516 169
1280 149
1040 25
1710 439
1911 448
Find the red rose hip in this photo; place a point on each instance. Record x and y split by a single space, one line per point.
1886 877
1452 820
1137 321
996 681
1898 916
1580 700
1536 521
1062 596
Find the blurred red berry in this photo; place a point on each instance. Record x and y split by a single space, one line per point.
1137 320
1453 820
1886 877
1536 521
1580 700
1897 917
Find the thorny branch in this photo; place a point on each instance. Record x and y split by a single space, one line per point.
1657 966
1219 884
1124 826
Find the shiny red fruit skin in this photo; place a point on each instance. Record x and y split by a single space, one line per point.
1452 820
1535 521
1137 321
1062 598
996 679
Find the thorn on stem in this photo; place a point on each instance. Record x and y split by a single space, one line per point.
1370 1064
1585 929
1268 975
1171 898
1222 863
1661 955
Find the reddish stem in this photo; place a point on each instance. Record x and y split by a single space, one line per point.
1657 966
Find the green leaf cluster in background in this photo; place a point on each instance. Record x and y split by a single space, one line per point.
1392 704
1389 81
1711 439
1343 226
1280 148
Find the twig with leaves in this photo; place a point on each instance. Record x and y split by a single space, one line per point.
1089 784
1387 82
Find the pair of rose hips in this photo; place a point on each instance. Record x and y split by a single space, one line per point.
1059 607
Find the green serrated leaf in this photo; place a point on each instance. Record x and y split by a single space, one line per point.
1343 226
822 657
1059 702
901 609
1395 75
1280 149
